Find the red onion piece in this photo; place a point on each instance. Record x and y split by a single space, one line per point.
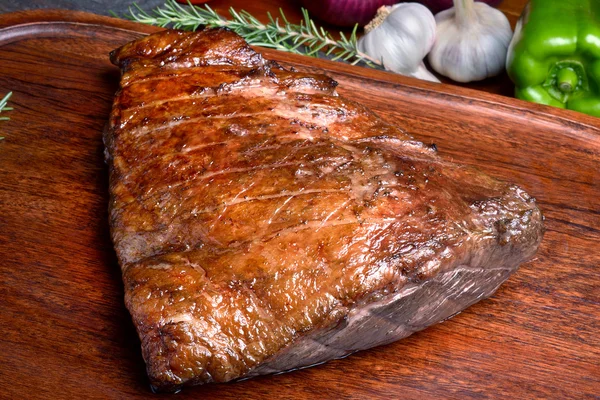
439 5
345 12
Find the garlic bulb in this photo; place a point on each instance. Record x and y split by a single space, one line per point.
400 36
472 41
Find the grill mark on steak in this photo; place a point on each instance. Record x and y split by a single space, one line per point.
360 188
192 183
250 149
283 140
189 91
200 74
264 223
317 115
288 196
196 179
179 138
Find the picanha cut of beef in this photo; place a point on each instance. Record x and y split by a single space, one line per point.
264 223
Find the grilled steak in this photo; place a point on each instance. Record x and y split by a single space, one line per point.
264 223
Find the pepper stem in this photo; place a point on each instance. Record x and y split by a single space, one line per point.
566 80
464 12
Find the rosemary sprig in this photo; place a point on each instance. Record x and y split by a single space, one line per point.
304 38
3 107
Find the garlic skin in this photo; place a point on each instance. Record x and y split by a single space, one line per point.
472 42
400 36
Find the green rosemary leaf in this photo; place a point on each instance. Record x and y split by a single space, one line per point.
143 13
3 103
338 56
3 107
353 35
315 50
348 57
303 38
272 20
285 21
343 38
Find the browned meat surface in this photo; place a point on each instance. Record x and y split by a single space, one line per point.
264 223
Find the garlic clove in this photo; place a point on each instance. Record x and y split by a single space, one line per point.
471 44
423 73
400 37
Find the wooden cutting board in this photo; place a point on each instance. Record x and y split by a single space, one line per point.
66 333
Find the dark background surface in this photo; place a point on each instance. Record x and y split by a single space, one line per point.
96 6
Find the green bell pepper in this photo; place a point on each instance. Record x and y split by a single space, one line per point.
554 56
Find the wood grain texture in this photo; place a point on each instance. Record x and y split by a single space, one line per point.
67 334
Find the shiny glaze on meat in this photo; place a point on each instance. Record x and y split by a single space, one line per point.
254 212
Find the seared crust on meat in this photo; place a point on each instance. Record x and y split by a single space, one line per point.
256 215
